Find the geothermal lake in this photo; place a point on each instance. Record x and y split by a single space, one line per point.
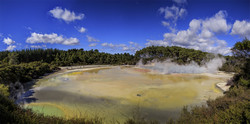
116 93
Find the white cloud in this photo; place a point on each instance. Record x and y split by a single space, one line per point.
217 23
200 35
92 44
110 45
28 28
164 23
52 38
38 46
92 39
156 43
82 30
173 13
180 1
66 15
132 47
241 28
10 47
8 41
206 33
195 25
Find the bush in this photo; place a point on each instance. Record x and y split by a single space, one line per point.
24 72
4 90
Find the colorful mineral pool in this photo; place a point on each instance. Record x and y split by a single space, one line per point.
116 93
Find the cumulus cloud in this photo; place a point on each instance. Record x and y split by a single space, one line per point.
10 47
66 15
200 35
217 23
241 28
92 39
92 44
82 30
8 41
132 47
52 38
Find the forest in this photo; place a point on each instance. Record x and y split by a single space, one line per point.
24 65
65 58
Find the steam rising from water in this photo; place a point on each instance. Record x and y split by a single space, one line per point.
168 67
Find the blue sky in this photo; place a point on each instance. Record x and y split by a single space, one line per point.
123 25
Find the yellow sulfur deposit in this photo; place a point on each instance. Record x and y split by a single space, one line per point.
119 91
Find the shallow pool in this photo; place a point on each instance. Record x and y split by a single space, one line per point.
118 92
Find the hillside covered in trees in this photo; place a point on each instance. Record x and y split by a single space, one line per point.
83 57
25 65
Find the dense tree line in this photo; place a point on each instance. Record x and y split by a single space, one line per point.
176 54
84 57
65 58
184 56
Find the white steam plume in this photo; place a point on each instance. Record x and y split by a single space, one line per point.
168 67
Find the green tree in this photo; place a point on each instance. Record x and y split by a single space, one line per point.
242 49
13 58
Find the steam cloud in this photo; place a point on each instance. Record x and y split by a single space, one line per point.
168 67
